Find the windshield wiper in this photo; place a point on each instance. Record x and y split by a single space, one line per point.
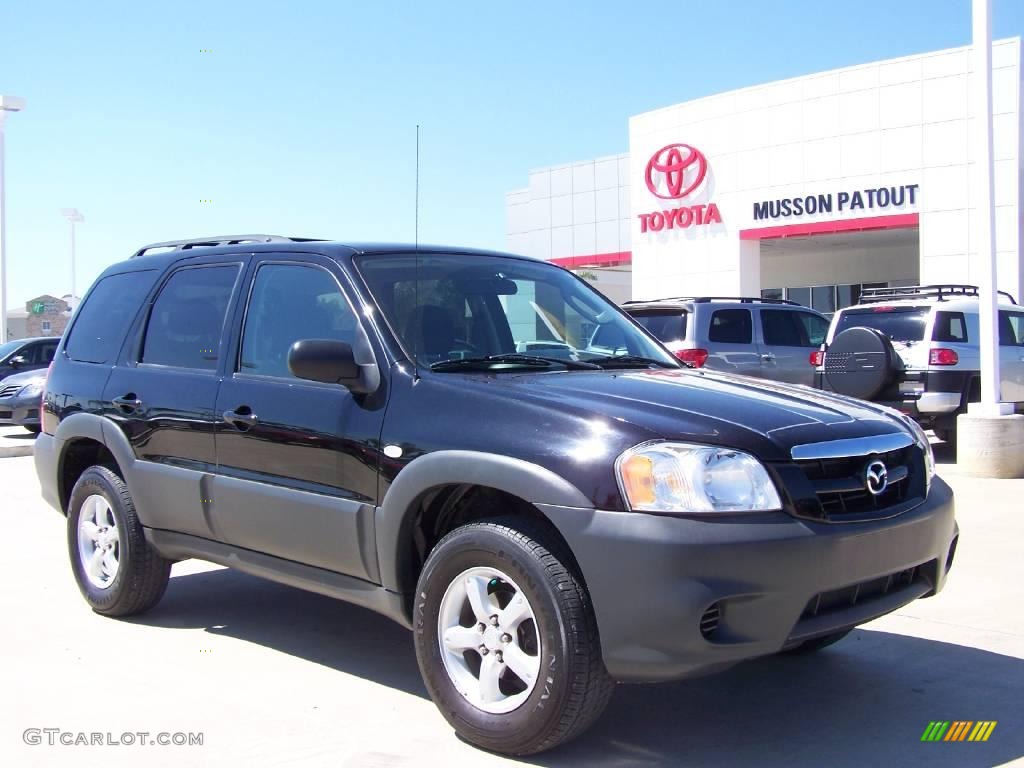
610 361
527 361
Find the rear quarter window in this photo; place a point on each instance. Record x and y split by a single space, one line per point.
105 315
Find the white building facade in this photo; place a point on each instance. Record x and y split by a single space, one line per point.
805 189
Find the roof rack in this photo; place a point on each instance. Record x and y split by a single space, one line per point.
209 242
941 292
708 299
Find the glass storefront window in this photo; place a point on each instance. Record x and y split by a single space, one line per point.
799 295
823 298
847 295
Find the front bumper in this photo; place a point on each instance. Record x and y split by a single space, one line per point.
22 412
774 579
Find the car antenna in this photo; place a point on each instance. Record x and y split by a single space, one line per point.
416 257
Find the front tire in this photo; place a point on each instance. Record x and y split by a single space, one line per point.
118 572
506 638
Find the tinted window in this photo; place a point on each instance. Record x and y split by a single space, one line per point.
185 324
103 319
815 327
782 329
666 326
730 326
288 303
1011 328
898 323
950 327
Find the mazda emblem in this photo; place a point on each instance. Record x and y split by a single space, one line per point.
876 478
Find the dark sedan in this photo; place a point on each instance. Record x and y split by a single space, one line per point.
20 396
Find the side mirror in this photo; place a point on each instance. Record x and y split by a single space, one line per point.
17 361
331 362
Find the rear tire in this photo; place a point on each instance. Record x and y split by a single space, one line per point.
816 644
118 572
537 678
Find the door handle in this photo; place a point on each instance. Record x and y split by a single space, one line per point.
241 418
768 357
128 403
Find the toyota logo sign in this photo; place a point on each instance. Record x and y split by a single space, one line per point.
675 171
876 478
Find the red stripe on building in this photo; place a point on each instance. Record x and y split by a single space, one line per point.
595 260
896 221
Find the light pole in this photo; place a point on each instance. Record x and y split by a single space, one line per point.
7 104
73 216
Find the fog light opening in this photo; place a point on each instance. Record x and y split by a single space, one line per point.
952 552
710 619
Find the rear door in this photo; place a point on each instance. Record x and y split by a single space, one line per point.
162 392
788 336
296 459
1011 355
730 341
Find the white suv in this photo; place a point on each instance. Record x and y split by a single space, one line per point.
915 349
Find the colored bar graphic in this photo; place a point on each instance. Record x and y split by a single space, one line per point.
958 730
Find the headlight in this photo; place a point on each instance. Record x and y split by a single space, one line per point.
31 390
921 439
679 477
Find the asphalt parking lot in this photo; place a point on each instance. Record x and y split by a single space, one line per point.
270 675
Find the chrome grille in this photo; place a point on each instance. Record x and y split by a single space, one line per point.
837 473
10 389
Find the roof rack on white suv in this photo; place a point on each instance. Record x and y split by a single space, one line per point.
709 299
939 292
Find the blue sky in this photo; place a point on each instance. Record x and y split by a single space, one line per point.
301 119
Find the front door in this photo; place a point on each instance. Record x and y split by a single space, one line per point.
162 392
296 459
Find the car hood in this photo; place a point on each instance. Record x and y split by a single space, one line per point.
764 417
23 378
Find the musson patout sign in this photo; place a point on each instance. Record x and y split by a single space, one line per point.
673 172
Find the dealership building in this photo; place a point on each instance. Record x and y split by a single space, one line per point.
806 189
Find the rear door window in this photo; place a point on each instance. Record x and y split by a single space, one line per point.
184 328
898 323
731 326
665 326
103 319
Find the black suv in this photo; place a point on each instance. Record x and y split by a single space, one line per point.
361 421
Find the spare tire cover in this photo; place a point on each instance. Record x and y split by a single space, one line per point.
860 362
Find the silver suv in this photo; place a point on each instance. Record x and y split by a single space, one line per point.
915 349
768 338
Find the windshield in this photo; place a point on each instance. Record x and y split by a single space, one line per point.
465 307
898 323
9 347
